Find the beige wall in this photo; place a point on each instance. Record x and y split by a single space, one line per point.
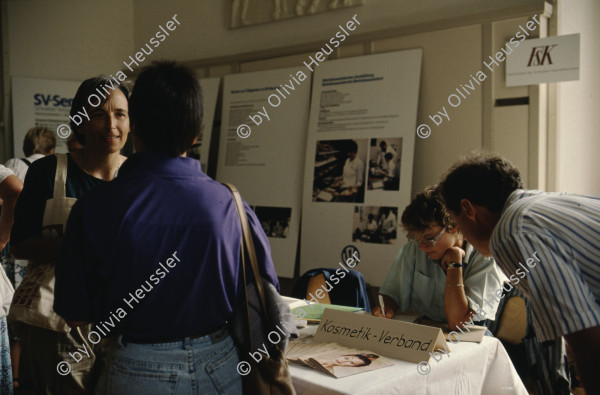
578 116
205 29
70 40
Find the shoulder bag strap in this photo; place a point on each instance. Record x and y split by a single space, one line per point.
28 163
60 179
248 243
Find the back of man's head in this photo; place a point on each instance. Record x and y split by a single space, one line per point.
484 178
39 140
165 108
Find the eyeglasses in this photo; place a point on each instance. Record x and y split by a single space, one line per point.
428 242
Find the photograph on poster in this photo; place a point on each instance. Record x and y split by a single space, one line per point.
384 164
340 171
375 224
275 221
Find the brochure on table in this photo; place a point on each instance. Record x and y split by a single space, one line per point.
353 202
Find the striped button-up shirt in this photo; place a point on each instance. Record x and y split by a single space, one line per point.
564 231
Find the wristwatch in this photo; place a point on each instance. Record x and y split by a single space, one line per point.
454 265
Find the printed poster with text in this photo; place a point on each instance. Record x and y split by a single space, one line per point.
266 166
200 150
359 160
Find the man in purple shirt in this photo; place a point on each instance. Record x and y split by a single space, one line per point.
154 256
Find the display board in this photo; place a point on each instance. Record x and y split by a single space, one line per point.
359 160
200 150
261 152
41 102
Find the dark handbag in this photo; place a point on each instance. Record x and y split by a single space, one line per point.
263 312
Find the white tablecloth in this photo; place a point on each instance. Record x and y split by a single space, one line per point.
470 369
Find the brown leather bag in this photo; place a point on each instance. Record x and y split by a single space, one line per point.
271 375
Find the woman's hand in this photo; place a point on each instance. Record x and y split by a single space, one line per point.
390 308
452 255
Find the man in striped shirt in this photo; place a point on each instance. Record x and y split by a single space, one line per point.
485 196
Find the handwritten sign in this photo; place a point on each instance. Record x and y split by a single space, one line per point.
394 339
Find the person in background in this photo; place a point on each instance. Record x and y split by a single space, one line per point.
557 235
10 188
103 136
162 263
388 223
437 273
39 141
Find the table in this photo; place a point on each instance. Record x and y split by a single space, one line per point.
470 368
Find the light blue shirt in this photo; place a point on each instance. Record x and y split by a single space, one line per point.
418 282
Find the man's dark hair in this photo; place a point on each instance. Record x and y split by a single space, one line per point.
426 209
166 107
388 156
483 178
87 88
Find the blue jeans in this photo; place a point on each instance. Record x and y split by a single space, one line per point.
189 366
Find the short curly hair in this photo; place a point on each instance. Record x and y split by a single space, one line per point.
484 178
426 209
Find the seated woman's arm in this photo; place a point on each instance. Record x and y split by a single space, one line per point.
10 189
456 305
397 287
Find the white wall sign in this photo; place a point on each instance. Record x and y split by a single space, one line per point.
542 60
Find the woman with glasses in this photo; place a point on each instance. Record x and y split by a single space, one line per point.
437 273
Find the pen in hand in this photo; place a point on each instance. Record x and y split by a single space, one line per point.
382 305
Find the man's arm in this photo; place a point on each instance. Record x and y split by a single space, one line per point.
586 347
10 189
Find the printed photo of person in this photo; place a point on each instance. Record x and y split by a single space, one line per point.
374 224
350 360
384 164
275 221
340 171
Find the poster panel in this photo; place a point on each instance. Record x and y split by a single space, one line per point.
261 152
359 160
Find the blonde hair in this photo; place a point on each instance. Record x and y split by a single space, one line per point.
39 140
